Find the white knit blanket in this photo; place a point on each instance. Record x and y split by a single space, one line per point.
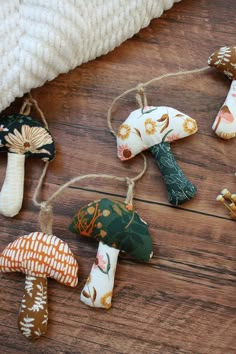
39 39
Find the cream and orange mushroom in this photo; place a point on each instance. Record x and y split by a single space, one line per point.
224 60
39 256
154 128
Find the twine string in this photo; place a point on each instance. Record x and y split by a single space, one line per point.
46 210
46 218
27 105
130 192
141 96
129 181
46 213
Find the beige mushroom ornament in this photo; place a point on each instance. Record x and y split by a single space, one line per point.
20 136
154 128
224 59
38 256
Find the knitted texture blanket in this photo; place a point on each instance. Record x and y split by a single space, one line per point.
39 39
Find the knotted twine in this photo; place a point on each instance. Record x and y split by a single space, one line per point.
46 209
27 105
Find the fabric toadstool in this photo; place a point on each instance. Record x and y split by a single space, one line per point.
20 136
154 128
224 60
38 256
116 228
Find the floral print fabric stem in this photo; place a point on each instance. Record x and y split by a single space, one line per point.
33 316
98 288
179 188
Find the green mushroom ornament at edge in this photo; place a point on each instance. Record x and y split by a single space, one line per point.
154 128
20 136
116 226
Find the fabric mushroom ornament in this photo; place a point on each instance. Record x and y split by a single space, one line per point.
38 256
116 228
20 136
154 128
224 60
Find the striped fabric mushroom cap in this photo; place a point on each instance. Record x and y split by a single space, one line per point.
41 255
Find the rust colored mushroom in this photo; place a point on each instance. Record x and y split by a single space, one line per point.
38 256
224 60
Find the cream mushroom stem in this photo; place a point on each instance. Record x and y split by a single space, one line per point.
11 195
33 316
179 188
98 289
225 123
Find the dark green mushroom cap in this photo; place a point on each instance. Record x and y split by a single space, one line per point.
116 226
21 134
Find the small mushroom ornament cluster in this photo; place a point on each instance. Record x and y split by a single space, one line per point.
229 201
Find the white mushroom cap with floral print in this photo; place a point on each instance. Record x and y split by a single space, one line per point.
21 136
154 128
149 126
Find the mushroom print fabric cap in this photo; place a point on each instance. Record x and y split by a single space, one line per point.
21 134
148 126
116 226
224 60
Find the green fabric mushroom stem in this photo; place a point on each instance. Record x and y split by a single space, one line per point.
153 128
179 188
20 136
116 226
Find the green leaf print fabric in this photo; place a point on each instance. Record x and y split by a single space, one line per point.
21 134
113 224
179 188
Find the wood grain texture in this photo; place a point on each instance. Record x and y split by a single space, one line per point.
183 301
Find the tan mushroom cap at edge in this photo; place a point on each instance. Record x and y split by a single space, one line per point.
41 255
224 59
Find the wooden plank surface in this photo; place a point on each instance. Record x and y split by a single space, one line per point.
183 301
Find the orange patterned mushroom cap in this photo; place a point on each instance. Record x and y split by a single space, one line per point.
41 255
224 59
